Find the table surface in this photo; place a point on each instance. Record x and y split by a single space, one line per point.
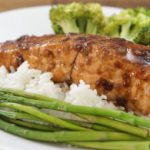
13 4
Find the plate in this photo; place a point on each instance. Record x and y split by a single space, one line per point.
31 21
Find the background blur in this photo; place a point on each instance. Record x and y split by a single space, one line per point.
12 4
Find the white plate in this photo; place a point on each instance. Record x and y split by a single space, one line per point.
34 20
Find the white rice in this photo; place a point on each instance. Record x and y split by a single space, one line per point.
82 95
33 80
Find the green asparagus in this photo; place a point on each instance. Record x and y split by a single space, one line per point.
117 125
35 112
17 115
115 145
32 119
46 102
63 136
32 125
110 122
92 126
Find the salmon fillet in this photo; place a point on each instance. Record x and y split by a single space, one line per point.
115 67
47 53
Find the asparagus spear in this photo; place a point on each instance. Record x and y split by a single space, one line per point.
64 136
115 145
22 93
122 126
92 125
117 125
24 118
104 121
35 112
32 125
31 119
17 115
76 119
46 102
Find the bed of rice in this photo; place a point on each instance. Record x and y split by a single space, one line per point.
33 80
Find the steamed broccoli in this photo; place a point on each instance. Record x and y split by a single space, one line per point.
64 17
143 36
119 25
94 18
76 18
141 30
145 11
130 24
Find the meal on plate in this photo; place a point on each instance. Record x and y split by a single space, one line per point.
83 88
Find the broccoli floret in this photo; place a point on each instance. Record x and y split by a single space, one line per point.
130 24
141 30
119 25
94 19
143 10
64 17
144 36
77 18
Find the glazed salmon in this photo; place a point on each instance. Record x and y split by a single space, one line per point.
47 53
115 67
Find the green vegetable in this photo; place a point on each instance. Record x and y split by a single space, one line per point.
23 117
130 24
50 103
115 145
141 31
64 136
32 125
143 10
76 18
92 126
13 116
117 125
35 112
94 18
19 119
119 25
64 17
17 115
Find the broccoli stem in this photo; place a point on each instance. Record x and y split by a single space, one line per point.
91 28
81 22
125 31
69 26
